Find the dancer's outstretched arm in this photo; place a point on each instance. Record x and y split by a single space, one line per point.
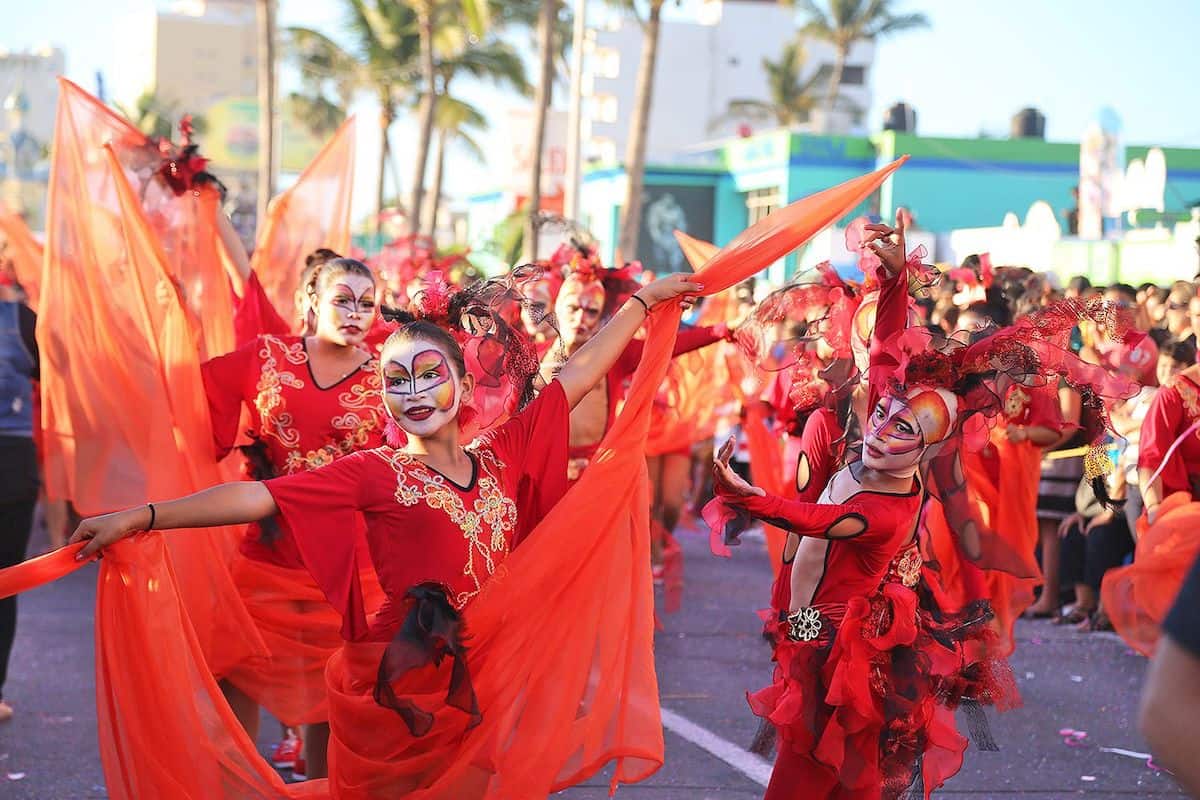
235 503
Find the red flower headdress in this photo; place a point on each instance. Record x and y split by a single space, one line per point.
183 168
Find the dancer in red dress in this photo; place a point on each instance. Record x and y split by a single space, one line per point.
311 400
441 520
871 668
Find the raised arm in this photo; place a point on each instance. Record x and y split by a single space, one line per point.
591 363
237 262
233 503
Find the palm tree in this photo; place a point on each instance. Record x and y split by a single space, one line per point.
792 98
432 16
639 128
266 106
381 58
493 60
453 120
545 87
843 23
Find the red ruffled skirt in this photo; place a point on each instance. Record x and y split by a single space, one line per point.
865 710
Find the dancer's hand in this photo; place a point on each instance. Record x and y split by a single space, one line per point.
100 532
671 286
888 243
730 481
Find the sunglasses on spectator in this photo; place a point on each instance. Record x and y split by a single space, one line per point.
1177 306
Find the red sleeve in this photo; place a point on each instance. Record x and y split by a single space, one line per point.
225 378
534 442
255 315
317 508
821 520
693 338
816 452
1164 422
688 339
891 318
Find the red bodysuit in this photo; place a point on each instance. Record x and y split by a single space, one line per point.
867 679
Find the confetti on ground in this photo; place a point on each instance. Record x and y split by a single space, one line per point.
16 776
1088 778
1122 752
1077 679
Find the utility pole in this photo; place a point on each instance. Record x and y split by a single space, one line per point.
575 115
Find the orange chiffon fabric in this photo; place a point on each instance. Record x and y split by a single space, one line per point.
696 383
123 404
766 471
313 213
1137 597
26 254
560 644
300 629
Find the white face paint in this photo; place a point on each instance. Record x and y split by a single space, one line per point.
346 309
420 388
892 441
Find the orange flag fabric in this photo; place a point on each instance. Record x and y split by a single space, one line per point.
26 254
563 694
313 213
124 412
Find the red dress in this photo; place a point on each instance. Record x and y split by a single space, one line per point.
1137 597
297 426
428 537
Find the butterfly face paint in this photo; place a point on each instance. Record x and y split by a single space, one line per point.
420 389
893 443
346 309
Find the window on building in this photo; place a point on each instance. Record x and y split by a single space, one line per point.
605 108
761 202
606 62
852 74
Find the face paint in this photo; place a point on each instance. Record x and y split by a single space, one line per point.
420 389
346 309
578 310
893 442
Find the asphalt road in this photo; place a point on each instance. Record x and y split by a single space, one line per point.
708 656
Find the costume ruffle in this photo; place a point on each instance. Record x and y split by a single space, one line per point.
1137 597
869 702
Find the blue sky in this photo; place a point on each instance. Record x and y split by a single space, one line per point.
978 63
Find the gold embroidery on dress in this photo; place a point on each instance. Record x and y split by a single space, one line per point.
908 567
361 402
487 526
1016 402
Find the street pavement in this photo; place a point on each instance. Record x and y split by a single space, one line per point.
708 655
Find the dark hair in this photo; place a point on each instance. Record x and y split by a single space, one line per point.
995 312
319 256
322 271
1079 283
1124 289
1181 352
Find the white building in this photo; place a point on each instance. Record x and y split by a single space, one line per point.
703 64
34 75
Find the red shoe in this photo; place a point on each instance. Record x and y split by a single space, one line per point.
300 769
287 753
